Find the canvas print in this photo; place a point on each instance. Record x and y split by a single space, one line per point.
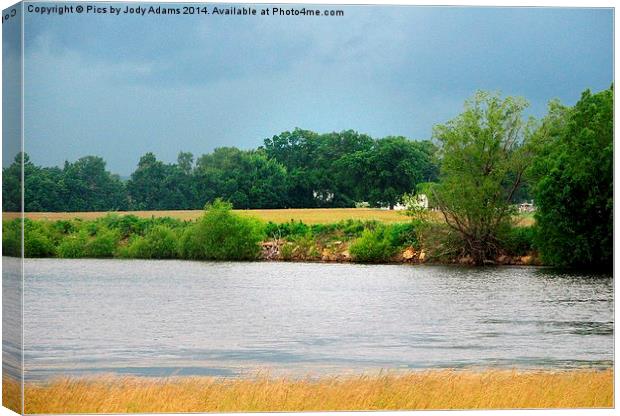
300 207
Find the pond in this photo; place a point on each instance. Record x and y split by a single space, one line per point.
161 318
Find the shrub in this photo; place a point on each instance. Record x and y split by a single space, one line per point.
355 228
374 246
73 246
518 241
126 225
37 243
403 234
12 238
102 244
222 235
159 243
286 229
304 248
62 228
440 242
287 251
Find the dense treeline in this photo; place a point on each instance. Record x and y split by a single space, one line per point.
298 169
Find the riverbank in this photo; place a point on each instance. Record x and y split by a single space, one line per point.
223 234
440 389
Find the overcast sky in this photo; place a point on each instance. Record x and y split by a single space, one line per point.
118 87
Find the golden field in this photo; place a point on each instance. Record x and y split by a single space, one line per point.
307 215
438 389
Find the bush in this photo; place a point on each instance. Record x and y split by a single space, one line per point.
159 243
403 234
72 246
286 229
102 244
440 242
518 241
222 235
126 225
37 243
303 248
287 251
374 246
12 238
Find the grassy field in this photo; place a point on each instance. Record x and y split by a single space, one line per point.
414 390
308 216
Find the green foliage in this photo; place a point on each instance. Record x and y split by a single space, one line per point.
294 169
391 167
12 238
103 244
287 251
483 155
292 228
574 183
159 242
248 179
37 243
441 243
518 241
73 246
374 246
403 234
304 247
222 235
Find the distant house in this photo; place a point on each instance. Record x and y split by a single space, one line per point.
419 201
323 196
527 207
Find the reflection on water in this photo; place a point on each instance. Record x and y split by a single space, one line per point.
191 318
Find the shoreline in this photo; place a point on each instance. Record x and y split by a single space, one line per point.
411 390
308 261
224 235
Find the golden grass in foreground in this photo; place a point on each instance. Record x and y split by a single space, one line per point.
12 395
414 390
307 215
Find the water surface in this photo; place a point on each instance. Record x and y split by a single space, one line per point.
230 319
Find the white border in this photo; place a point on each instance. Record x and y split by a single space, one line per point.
490 3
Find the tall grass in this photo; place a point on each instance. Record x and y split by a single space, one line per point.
393 391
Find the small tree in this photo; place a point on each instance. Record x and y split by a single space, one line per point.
483 154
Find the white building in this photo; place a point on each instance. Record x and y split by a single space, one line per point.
527 207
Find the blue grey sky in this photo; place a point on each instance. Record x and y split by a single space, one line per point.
118 87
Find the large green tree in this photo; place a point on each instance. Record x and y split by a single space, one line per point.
391 167
87 186
573 176
247 179
484 153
